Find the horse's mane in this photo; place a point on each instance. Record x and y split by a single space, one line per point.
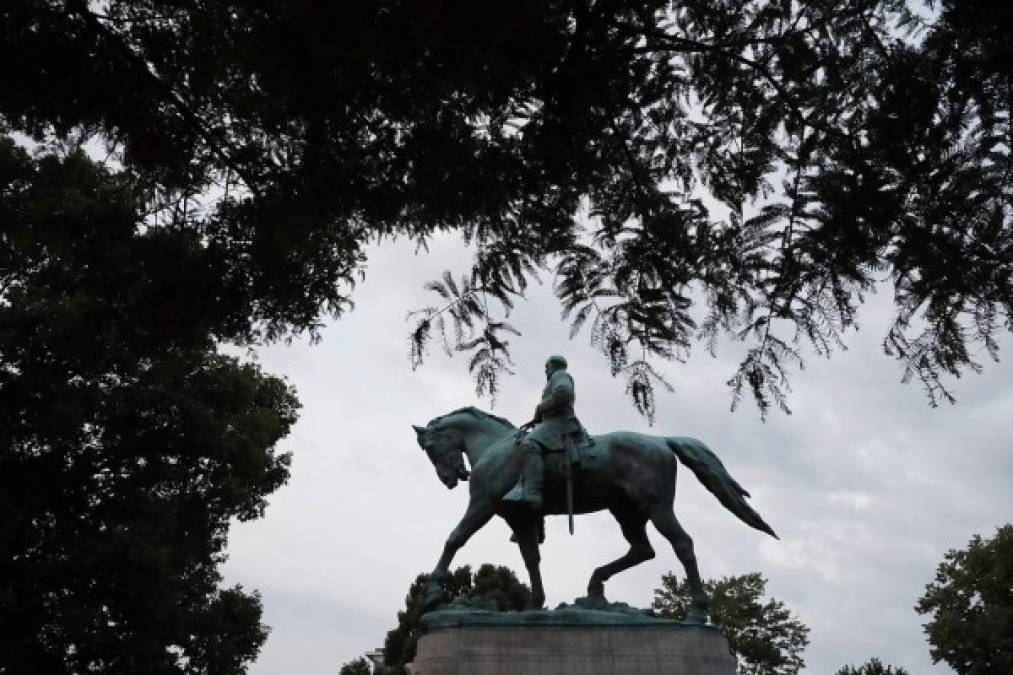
474 412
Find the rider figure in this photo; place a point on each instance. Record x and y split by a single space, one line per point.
554 421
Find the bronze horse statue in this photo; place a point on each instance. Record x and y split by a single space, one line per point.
632 475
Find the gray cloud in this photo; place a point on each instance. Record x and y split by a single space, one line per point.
866 485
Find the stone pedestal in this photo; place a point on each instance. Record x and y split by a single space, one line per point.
567 642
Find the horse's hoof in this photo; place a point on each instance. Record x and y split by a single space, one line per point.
696 617
699 609
592 601
432 600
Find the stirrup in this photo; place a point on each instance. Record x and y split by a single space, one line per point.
525 501
515 495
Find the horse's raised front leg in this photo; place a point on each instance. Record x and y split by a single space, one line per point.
632 524
477 515
526 532
668 525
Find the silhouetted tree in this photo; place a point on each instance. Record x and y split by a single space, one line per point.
971 606
490 584
127 443
359 666
765 638
872 667
844 142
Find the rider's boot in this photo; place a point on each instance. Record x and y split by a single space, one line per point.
534 477
528 490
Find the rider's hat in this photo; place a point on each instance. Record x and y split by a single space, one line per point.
556 360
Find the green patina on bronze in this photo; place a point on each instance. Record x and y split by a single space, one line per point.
553 428
632 475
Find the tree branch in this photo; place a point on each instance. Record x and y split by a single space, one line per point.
91 20
635 168
686 45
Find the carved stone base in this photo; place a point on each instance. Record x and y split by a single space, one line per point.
567 642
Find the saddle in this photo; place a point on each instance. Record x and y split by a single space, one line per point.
575 441
578 449
561 461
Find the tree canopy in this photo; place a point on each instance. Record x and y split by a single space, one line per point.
683 170
872 667
127 442
764 636
359 666
970 606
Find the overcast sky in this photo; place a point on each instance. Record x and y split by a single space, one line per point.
866 485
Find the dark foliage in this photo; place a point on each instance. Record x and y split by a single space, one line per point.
764 636
846 143
872 667
359 666
127 443
489 585
849 142
467 307
970 604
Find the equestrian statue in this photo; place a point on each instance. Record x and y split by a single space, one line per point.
551 466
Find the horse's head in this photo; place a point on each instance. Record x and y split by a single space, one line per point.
446 452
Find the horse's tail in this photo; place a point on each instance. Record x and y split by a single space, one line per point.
711 472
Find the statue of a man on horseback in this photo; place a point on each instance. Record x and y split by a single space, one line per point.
632 476
553 428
